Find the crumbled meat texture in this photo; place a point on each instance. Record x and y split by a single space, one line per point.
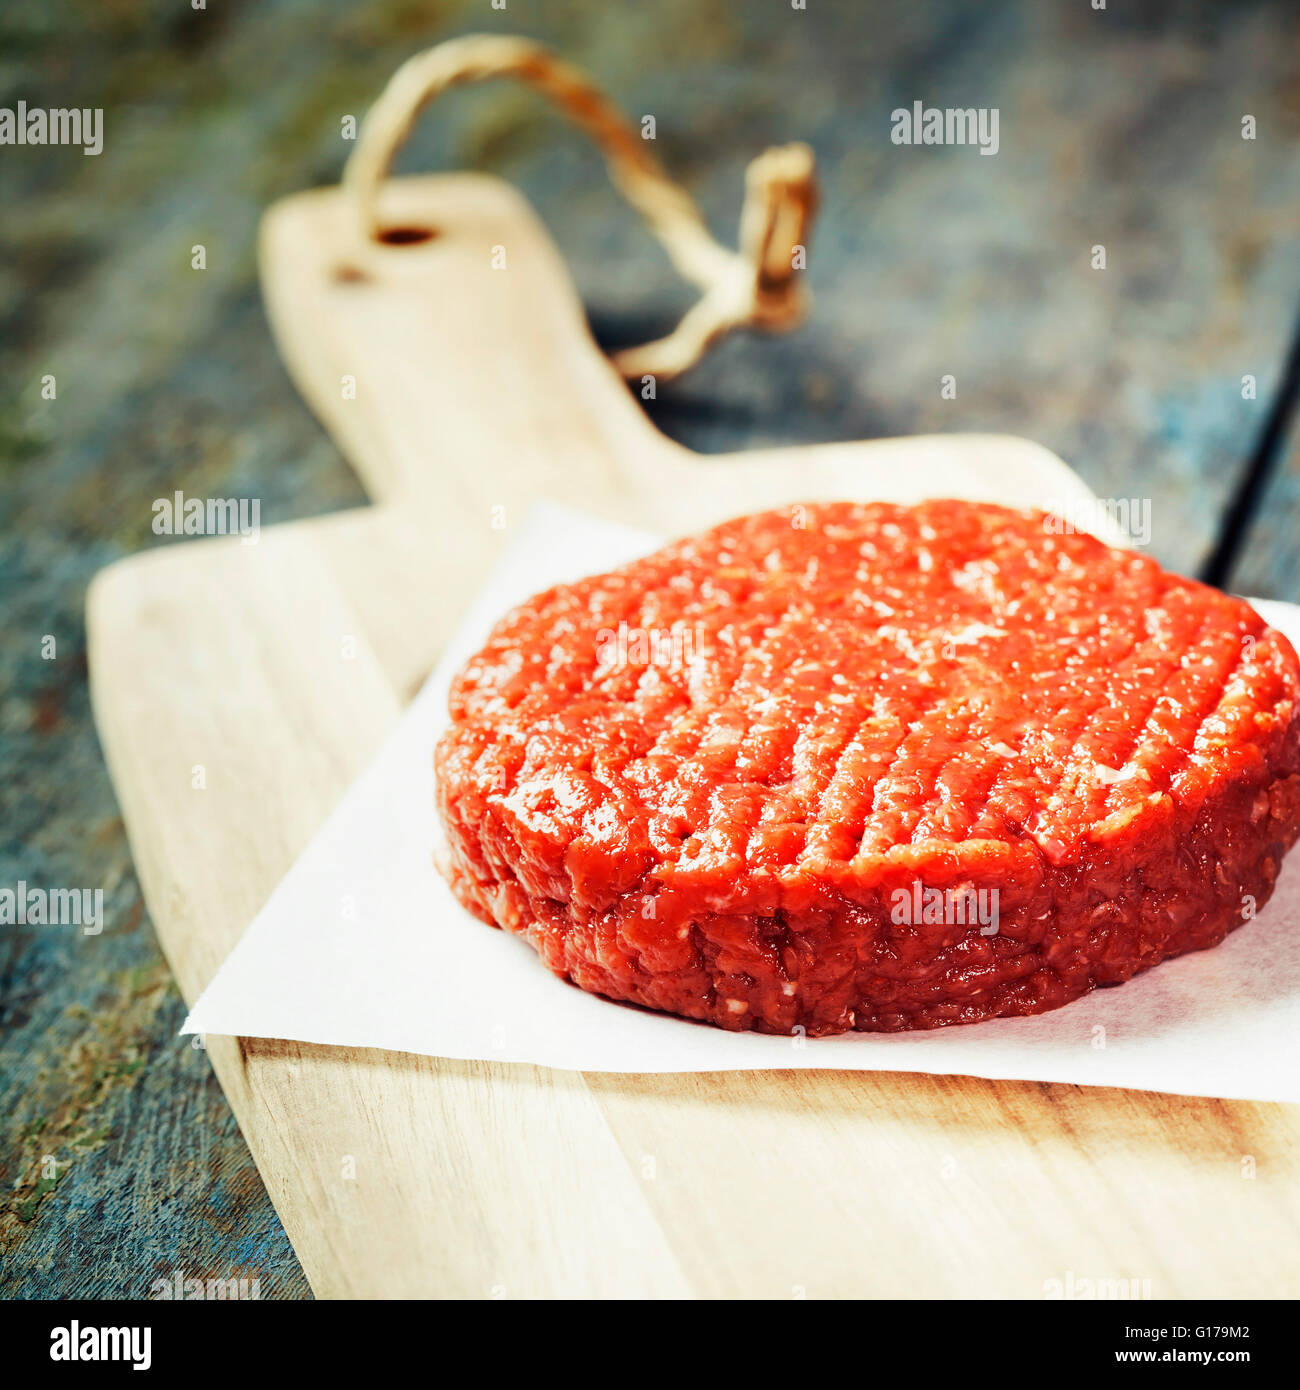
809 711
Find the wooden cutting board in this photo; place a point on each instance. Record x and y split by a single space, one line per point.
277 668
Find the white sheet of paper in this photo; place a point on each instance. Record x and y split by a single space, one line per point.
363 945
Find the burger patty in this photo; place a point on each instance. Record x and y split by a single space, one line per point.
874 767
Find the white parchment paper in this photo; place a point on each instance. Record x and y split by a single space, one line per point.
363 945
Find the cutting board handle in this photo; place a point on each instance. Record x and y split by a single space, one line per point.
758 286
434 329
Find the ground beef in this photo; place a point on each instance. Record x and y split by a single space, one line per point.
767 776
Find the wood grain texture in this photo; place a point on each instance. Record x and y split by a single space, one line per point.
403 1176
1120 126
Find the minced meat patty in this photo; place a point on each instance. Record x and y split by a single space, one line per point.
873 767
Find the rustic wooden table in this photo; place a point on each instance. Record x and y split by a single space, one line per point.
1119 129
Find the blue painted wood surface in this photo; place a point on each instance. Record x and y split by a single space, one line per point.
1120 128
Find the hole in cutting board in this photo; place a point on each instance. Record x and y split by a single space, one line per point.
405 236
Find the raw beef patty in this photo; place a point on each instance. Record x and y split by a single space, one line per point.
872 767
